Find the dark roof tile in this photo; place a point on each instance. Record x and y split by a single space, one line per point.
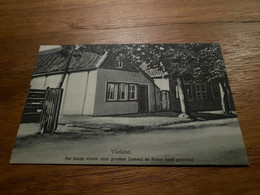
53 62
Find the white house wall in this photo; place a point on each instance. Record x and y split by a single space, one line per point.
162 83
74 94
112 108
52 81
78 91
38 83
42 82
90 93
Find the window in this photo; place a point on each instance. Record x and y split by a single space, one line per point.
119 63
132 92
112 91
189 91
201 92
123 92
176 92
215 91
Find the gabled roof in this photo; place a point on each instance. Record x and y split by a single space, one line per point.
53 62
152 72
49 62
110 63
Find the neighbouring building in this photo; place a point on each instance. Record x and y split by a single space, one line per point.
161 80
201 96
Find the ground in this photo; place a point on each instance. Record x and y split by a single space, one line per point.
187 142
130 122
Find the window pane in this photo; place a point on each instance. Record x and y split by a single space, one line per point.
116 91
119 63
136 92
112 91
203 87
188 91
123 92
132 92
215 91
204 95
176 92
201 92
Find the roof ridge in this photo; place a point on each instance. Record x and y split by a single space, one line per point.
102 59
152 72
53 50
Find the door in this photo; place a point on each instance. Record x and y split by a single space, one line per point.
143 99
165 100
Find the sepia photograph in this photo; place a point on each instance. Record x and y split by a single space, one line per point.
130 104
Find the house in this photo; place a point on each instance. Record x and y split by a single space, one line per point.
161 80
201 96
96 84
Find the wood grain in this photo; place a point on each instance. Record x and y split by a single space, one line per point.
25 25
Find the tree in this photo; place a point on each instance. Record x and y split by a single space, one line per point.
67 52
176 60
188 62
212 59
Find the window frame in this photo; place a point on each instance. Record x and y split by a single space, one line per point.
136 92
115 94
200 91
217 90
191 91
119 63
118 95
126 91
177 96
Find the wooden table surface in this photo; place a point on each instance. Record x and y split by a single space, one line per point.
24 25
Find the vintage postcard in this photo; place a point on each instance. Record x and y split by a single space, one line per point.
130 104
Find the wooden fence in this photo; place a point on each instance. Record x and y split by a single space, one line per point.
33 107
50 110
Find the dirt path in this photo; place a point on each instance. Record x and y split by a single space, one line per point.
201 145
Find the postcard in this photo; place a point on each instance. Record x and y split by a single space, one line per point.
130 104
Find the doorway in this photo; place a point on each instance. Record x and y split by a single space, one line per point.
143 99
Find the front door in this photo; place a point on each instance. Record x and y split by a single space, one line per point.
143 99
